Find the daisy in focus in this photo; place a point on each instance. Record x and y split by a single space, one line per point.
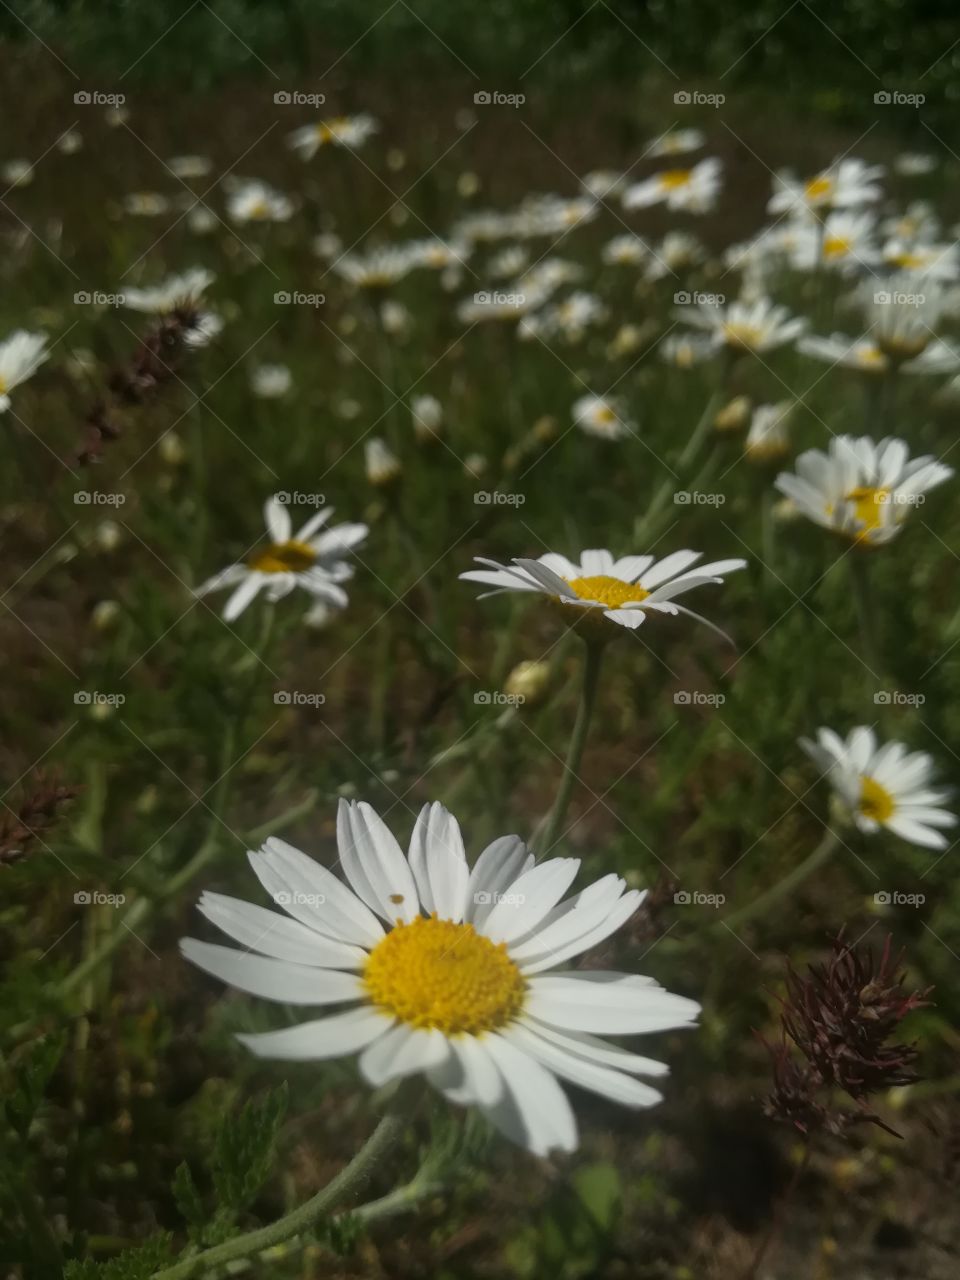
442 971
623 590
21 355
694 190
861 489
315 561
886 786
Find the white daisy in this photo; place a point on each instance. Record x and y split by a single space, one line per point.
21 355
442 971
270 381
927 259
628 250
437 254
427 414
146 204
684 350
866 355
376 269
190 166
311 560
677 250
382 464
624 590
601 183
755 325
843 241
344 131
602 416
861 489
768 438
255 201
914 164
694 190
886 786
184 289
552 215
675 142
844 185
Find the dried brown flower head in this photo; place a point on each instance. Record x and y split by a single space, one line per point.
38 810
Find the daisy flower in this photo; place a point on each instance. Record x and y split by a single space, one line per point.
866 355
843 241
382 464
270 381
624 590
885 786
935 261
376 269
694 190
551 215
861 489
677 250
21 355
145 204
914 164
190 166
309 559
845 184
427 414
184 289
601 416
755 325
675 142
768 438
438 255
601 183
344 131
443 970
628 250
684 350
255 201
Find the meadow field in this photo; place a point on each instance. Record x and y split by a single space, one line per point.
395 454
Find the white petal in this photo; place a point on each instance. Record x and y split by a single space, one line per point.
374 863
439 863
277 518
588 1075
313 895
669 567
534 1111
613 1003
332 1037
403 1051
614 919
272 979
276 935
532 895
493 873
482 1082
243 596
596 1050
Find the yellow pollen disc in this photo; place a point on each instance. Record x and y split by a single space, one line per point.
3 386
610 592
871 356
836 247
868 507
259 209
671 179
876 802
283 557
604 414
817 188
747 336
437 974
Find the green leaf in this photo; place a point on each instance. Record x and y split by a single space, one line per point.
188 1198
31 1075
133 1264
598 1187
244 1150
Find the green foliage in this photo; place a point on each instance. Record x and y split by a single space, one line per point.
133 1264
574 1232
31 1074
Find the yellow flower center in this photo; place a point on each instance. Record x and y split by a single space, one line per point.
437 974
604 415
872 357
876 802
3 386
259 210
868 507
747 336
613 593
671 179
819 187
283 557
836 246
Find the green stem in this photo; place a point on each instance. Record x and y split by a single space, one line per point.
388 1133
789 882
866 614
591 677
642 528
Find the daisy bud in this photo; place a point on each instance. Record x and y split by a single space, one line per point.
733 416
383 466
475 465
105 615
396 159
395 317
768 439
108 535
528 681
270 381
468 184
427 413
545 429
171 449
